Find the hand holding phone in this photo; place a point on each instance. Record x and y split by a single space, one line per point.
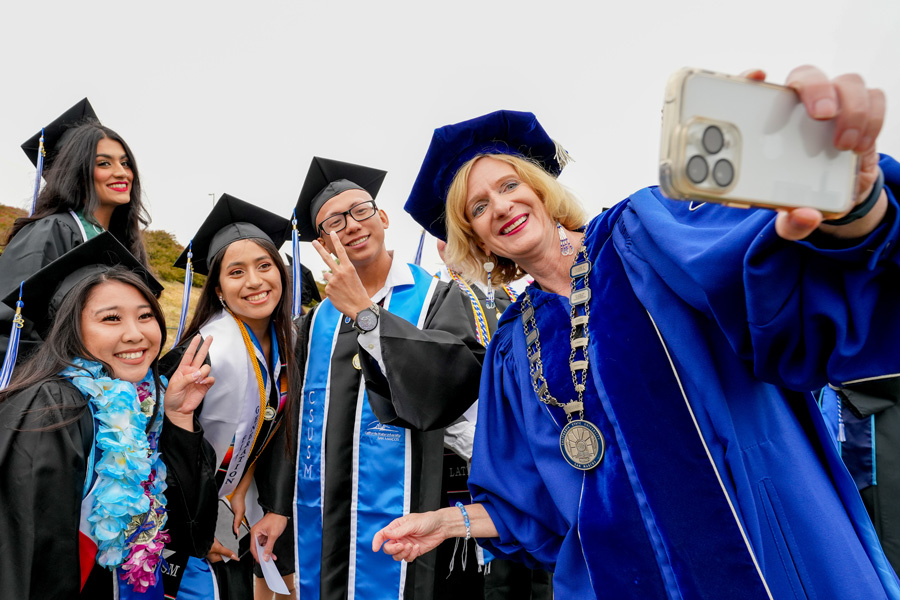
745 143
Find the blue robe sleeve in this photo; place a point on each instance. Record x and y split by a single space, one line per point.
530 525
802 313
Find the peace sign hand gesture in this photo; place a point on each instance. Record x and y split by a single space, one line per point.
344 287
189 384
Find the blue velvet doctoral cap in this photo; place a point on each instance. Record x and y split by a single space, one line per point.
500 132
55 133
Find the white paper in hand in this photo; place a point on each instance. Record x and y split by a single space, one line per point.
270 571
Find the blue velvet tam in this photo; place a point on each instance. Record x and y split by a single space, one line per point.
500 132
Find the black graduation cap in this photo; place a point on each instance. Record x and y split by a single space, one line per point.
326 179
54 133
44 291
230 220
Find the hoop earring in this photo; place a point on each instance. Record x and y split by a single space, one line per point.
489 266
565 246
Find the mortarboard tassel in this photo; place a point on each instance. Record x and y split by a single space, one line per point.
562 157
297 306
186 297
418 259
12 349
40 171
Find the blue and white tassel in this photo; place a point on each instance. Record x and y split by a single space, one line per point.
297 306
418 259
186 297
12 349
40 171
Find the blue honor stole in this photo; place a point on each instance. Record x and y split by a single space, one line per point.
381 459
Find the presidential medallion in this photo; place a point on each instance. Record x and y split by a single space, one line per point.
355 361
582 444
270 413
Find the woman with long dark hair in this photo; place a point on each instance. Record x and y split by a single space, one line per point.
101 460
92 185
246 305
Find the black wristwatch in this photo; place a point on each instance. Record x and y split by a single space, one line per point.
366 319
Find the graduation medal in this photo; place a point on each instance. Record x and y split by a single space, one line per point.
580 441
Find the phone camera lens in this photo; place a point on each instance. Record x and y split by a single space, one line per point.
713 140
723 172
697 169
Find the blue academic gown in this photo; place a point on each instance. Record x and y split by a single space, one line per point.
719 479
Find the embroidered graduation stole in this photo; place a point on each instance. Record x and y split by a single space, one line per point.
253 424
381 459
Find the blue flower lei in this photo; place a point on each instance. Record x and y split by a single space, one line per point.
129 505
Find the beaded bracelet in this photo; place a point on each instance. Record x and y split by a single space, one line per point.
465 515
863 208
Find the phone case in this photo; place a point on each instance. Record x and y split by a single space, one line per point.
746 143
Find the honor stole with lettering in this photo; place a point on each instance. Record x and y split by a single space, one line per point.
381 459
263 427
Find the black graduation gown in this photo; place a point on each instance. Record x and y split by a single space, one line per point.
34 247
432 378
42 475
274 465
881 398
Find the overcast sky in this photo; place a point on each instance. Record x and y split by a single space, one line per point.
232 97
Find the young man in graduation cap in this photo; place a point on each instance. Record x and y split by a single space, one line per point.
390 358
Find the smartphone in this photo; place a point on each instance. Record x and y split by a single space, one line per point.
225 534
740 142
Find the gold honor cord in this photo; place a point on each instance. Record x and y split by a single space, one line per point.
482 329
248 343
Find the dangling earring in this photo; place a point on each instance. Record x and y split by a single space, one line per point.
222 301
565 247
489 266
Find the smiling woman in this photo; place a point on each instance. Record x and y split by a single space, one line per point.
92 186
246 305
644 428
95 443
119 328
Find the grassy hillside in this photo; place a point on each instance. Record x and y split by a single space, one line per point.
163 250
8 214
171 305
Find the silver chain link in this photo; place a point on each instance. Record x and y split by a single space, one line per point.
579 332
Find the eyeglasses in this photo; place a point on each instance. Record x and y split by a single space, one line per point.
360 212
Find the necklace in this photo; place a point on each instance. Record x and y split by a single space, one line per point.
580 441
128 507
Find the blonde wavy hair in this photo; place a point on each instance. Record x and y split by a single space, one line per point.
462 243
